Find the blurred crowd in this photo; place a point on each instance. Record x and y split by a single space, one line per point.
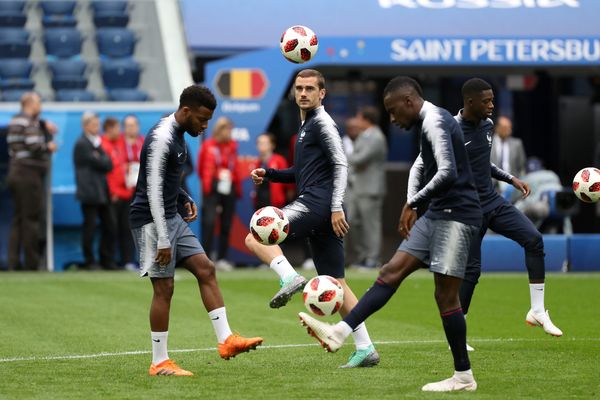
106 158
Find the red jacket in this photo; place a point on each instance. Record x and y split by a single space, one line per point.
121 155
212 158
278 190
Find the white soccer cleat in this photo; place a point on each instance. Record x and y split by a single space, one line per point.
544 321
459 381
329 337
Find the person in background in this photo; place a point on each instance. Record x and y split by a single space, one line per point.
508 152
30 148
367 163
221 186
91 166
270 193
352 245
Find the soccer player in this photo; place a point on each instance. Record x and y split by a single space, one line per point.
320 173
162 236
498 214
440 239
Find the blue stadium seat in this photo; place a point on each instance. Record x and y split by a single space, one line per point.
16 83
59 21
115 42
127 95
58 7
74 95
121 73
14 43
15 68
110 5
108 19
12 5
13 95
70 67
62 42
11 18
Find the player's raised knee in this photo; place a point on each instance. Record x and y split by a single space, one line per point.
250 241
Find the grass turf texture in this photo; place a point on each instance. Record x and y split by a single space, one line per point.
55 315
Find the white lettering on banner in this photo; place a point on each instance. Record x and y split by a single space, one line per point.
475 4
240 134
428 50
496 50
239 107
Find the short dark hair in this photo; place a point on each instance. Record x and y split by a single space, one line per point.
197 96
402 82
312 73
474 86
370 113
109 122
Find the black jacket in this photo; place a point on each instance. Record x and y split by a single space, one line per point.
91 166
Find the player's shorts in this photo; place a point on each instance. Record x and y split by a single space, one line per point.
442 244
183 244
327 248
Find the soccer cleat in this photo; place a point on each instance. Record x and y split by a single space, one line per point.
459 381
236 344
363 358
289 287
329 337
544 321
167 368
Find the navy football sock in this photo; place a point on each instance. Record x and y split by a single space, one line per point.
535 266
465 294
456 333
373 300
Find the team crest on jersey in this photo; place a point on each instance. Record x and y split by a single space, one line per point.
489 137
301 137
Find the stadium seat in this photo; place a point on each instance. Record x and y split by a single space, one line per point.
12 5
107 19
69 67
16 83
121 73
14 43
58 7
11 13
115 42
74 95
110 5
127 95
15 68
62 42
13 95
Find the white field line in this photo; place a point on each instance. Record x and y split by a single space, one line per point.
278 346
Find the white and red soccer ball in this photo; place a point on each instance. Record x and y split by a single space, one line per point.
299 44
269 225
323 295
586 185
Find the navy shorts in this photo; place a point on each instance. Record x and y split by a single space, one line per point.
327 248
441 244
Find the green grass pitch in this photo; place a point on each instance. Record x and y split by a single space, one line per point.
86 336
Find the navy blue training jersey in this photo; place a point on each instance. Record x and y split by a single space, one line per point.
478 143
158 188
441 173
320 167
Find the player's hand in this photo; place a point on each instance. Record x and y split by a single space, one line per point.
258 175
163 257
52 147
521 186
339 223
192 212
407 220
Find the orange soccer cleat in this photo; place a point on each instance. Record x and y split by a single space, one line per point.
168 367
236 344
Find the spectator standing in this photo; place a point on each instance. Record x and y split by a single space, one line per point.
367 163
221 186
270 193
508 152
91 166
30 147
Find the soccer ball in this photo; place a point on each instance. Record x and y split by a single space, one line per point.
323 295
269 225
586 185
299 44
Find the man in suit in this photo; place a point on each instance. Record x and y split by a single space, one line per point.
367 163
91 166
508 153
